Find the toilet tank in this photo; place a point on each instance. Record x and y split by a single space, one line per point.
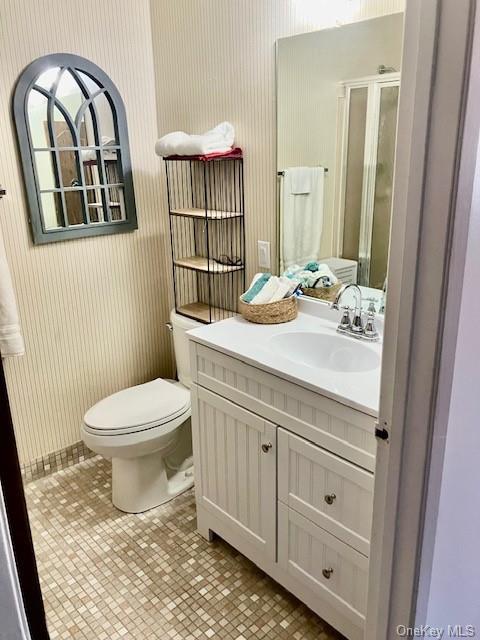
180 326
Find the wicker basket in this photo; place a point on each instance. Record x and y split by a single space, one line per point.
271 313
323 293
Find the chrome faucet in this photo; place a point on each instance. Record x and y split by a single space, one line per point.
355 326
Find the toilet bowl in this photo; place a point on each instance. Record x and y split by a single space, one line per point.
146 431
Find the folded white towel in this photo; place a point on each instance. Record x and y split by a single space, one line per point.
283 289
91 154
275 289
267 292
178 143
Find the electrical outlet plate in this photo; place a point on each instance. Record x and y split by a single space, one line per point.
263 254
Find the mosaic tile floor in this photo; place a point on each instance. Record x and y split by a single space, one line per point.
107 575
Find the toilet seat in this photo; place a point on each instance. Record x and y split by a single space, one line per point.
145 406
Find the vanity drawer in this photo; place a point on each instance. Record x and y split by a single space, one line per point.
329 568
333 493
330 424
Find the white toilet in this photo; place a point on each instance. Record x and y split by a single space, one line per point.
146 431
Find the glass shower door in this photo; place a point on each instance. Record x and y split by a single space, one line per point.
368 161
382 204
355 160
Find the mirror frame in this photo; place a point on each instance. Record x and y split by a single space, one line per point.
24 85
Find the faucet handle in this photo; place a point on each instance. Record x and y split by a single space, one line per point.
357 322
345 322
370 326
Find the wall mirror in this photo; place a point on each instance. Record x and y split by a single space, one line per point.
73 141
337 99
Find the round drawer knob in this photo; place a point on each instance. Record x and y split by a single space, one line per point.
266 447
327 573
330 497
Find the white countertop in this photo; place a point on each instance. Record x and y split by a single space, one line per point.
249 343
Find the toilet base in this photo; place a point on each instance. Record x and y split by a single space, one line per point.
139 484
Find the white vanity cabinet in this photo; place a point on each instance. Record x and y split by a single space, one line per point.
285 475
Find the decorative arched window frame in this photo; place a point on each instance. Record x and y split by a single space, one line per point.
26 83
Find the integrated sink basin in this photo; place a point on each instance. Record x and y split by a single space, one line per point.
325 351
307 351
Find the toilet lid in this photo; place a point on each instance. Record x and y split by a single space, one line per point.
140 407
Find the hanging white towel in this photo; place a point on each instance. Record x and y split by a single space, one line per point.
301 180
178 143
11 340
301 215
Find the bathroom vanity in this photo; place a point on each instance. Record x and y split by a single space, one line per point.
283 421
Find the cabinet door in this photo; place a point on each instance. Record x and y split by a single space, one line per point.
235 468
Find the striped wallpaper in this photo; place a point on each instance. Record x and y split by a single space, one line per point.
93 310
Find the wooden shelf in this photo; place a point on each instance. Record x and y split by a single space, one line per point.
201 311
99 205
210 214
198 263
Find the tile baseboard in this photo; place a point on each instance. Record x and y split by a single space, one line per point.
52 462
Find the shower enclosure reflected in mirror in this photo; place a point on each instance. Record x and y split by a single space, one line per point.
337 102
73 141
